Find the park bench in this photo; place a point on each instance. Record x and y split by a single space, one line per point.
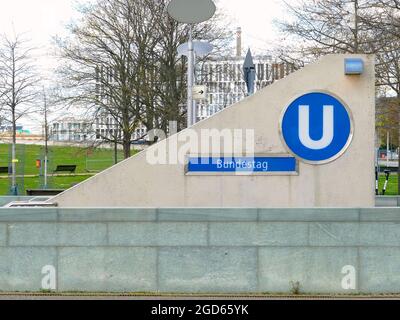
3 169
382 169
66 168
43 192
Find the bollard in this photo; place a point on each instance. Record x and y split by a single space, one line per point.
376 181
387 174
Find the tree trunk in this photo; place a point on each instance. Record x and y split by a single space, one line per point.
356 41
127 145
115 151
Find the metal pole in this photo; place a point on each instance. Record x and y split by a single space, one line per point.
45 172
194 105
387 149
190 79
377 150
46 136
194 112
14 188
387 174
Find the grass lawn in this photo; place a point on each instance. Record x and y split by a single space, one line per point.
99 160
33 183
88 163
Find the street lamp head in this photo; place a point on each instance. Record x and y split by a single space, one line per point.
191 11
201 48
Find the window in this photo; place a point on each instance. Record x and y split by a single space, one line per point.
260 71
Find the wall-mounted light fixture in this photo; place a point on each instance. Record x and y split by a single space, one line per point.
353 66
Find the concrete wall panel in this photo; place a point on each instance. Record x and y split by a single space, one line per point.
21 268
380 270
61 234
157 234
3 234
258 234
317 270
208 269
107 269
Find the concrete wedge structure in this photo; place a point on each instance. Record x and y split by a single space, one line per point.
348 181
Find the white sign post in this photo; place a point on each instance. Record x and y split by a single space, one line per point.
200 92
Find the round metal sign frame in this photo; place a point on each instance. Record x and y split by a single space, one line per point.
191 11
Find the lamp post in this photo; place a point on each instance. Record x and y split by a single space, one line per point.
190 77
191 12
199 49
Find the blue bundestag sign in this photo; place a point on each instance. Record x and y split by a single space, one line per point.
242 164
317 128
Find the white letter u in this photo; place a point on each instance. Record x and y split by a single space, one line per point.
304 128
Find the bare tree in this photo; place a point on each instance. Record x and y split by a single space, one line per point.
386 17
385 21
331 26
122 61
100 66
387 118
388 81
18 87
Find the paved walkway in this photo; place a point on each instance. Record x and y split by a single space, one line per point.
72 296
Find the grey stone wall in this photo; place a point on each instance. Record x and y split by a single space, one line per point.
7 199
380 201
201 250
387 201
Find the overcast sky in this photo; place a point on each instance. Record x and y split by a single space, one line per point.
43 19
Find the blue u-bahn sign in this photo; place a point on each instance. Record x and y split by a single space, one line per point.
317 128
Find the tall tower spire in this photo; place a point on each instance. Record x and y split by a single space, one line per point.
239 42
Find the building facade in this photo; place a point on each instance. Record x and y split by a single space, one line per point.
70 129
103 129
224 79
